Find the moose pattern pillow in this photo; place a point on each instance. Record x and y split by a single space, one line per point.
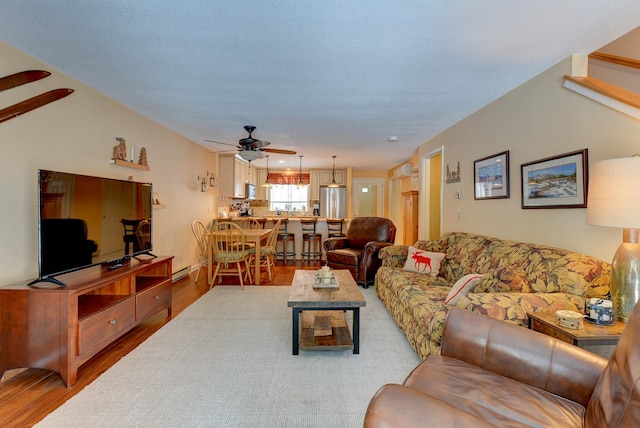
421 261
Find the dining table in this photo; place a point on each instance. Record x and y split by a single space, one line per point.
255 236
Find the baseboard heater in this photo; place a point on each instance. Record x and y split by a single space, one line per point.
179 274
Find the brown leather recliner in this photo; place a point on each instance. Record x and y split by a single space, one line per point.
358 251
492 373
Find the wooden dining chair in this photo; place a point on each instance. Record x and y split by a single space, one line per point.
267 251
230 253
143 234
200 233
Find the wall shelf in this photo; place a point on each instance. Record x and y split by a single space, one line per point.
129 164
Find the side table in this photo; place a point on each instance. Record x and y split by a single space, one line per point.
599 339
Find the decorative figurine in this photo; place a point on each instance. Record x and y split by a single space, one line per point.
142 160
120 151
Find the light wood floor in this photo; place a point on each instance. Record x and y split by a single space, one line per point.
30 395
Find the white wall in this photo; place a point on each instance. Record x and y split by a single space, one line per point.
537 120
77 134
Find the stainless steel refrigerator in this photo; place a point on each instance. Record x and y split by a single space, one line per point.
333 202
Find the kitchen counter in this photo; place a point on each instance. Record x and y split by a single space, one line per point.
293 227
274 218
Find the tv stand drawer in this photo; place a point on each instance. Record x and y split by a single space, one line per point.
104 325
153 300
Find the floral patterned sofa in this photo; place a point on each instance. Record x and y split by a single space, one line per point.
516 278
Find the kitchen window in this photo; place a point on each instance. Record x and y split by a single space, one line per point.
288 197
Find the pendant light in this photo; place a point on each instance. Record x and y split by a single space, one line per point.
300 184
333 181
267 183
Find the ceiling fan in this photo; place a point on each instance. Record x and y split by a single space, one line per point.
250 148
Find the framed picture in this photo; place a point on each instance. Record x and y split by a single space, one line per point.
491 177
556 182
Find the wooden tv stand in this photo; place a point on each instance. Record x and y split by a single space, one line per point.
60 329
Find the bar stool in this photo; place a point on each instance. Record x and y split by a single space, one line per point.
310 237
334 228
257 223
285 237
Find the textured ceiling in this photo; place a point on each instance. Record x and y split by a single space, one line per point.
319 77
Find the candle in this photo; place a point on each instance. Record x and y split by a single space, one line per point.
325 272
132 151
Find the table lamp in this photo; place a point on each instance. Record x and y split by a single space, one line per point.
614 200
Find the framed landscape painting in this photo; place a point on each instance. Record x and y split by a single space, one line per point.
491 177
556 182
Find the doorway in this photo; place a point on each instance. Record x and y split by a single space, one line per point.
430 226
368 197
395 206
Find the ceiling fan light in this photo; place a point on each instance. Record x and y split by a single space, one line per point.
250 155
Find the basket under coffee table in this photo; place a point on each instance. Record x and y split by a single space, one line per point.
324 308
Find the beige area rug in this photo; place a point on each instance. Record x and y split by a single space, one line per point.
226 362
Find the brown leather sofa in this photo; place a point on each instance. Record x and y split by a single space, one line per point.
358 251
493 373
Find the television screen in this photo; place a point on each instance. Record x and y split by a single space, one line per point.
84 221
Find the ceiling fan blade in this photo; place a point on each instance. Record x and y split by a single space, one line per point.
250 144
219 142
258 144
280 151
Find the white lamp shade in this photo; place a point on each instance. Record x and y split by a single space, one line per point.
614 193
250 155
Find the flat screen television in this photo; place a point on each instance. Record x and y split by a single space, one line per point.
84 221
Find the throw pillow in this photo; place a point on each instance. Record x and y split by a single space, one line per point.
423 261
462 287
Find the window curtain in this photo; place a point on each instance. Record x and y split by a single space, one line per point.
288 178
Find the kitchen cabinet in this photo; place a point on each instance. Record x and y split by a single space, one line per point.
314 185
252 175
239 177
261 190
234 174
326 177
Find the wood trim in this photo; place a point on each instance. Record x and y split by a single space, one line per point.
620 60
607 89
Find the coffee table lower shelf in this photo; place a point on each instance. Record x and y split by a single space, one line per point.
338 339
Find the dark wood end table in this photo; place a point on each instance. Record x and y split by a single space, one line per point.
599 339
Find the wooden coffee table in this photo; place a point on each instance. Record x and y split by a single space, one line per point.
312 304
